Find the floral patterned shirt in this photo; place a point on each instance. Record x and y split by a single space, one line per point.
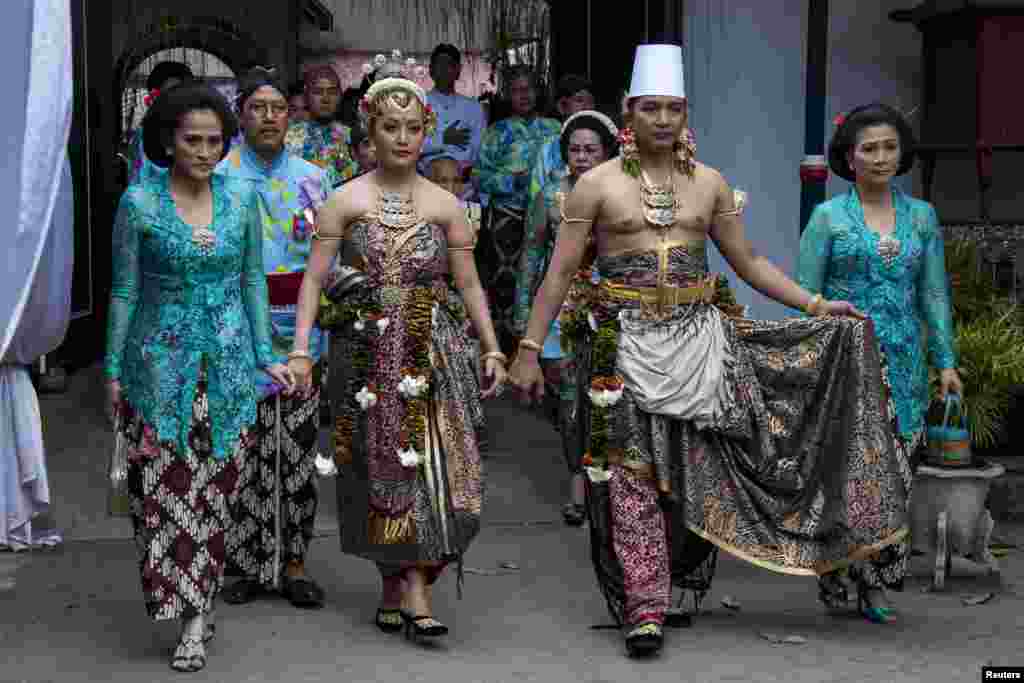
906 294
291 192
325 145
175 305
507 154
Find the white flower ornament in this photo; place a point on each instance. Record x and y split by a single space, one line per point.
324 466
412 387
605 398
382 325
366 398
409 458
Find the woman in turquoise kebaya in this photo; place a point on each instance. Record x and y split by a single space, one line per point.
882 250
189 324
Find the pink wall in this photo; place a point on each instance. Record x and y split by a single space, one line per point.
349 65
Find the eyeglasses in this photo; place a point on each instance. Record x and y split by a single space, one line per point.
276 109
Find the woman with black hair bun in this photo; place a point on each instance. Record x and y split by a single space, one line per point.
163 77
883 251
188 327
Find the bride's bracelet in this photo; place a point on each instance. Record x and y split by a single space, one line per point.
300 354
814 305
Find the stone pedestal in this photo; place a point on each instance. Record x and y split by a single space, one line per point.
948 515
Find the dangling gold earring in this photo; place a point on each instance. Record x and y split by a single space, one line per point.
686 150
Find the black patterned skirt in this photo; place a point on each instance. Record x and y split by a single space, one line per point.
181 506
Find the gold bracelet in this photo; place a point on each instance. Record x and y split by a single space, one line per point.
495 354
812 306
300 354
527 343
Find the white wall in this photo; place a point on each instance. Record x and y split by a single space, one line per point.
872 59
745 82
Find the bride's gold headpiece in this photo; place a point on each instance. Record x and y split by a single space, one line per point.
395 92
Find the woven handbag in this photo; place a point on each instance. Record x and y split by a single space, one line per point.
949 444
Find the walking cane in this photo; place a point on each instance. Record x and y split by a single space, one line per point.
277 494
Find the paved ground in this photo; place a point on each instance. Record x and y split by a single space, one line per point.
75 614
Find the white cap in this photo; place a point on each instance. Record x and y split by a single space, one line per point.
658 72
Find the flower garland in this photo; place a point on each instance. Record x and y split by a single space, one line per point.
416 376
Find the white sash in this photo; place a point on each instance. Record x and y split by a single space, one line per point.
676 368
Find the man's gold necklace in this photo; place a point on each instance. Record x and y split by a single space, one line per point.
659 203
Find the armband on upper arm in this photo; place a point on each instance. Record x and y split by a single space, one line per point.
739 198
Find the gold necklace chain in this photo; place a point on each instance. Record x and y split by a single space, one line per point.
659 203
397 212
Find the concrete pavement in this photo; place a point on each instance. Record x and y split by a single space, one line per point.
76 614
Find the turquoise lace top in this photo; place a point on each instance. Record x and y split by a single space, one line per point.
907 296
174 306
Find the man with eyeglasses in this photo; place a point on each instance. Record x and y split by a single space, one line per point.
277 495
320 138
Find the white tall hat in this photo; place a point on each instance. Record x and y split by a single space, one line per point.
658 72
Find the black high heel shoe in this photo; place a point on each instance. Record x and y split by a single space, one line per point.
422 626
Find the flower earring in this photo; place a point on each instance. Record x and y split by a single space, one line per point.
686 151
629 152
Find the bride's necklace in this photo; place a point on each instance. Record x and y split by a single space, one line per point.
396 211
659 203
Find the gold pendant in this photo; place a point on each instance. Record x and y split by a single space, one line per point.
397 212
204 239
889 249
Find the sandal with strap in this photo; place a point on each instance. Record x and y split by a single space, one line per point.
423 626
645 640
388 620
189 656
574 514
303 593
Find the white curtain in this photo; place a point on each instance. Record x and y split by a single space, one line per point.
36 48
745 71
36 246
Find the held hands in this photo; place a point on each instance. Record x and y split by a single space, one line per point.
840 308
527 377
949 383
494 368
281 374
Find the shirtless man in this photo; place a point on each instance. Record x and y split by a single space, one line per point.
669 459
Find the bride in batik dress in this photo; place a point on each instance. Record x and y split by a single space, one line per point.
884 251
770 439
408 413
